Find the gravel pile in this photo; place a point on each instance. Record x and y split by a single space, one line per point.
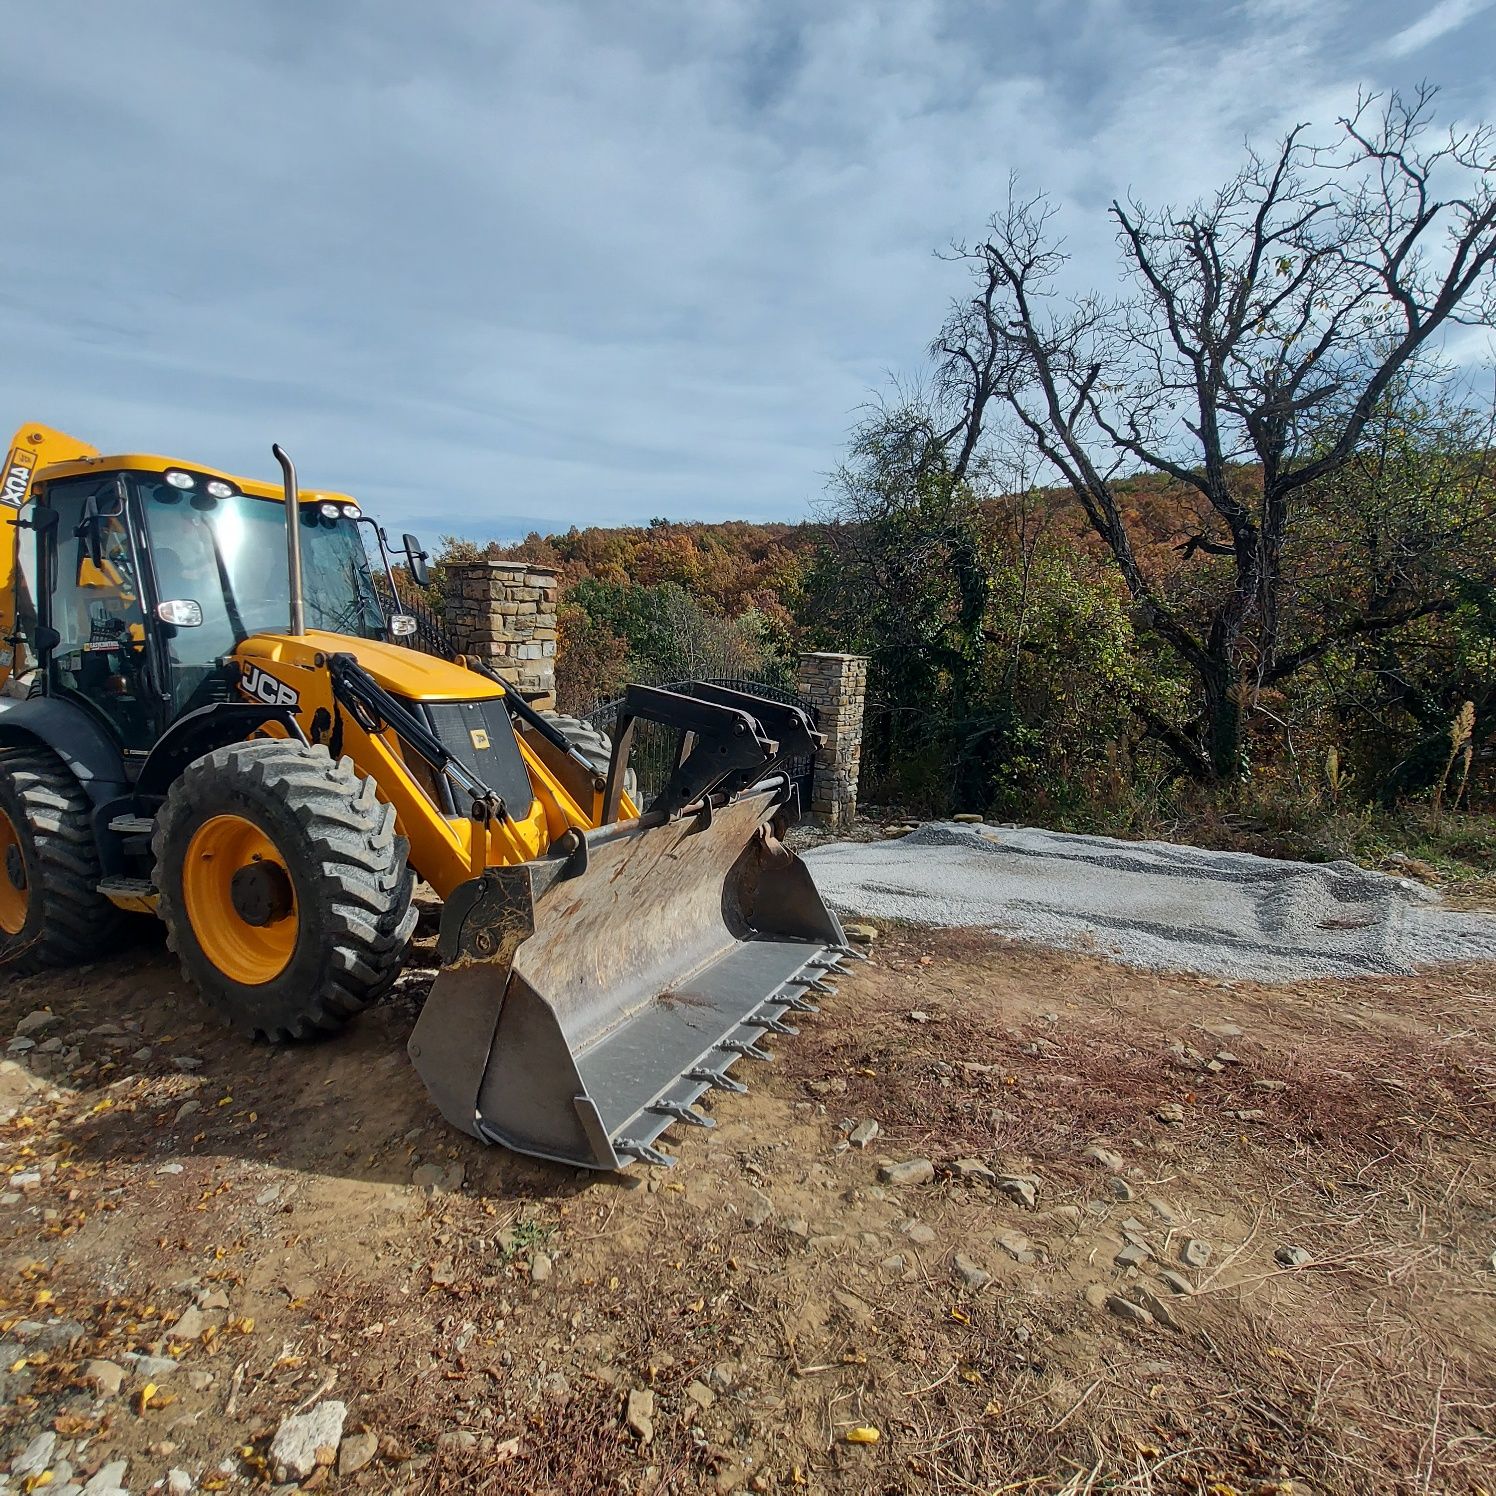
1153 904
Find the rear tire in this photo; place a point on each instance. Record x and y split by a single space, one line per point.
283 887
51 912
594 745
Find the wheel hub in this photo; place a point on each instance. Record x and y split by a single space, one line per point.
261 893
240 899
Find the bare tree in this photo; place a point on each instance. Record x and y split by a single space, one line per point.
1266 325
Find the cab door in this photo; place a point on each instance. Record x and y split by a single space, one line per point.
93 637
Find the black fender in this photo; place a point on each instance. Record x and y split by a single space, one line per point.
201 731
67 729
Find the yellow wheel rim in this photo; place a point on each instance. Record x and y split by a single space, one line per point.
240 900
15 893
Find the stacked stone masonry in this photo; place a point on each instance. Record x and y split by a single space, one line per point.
836 685
505 613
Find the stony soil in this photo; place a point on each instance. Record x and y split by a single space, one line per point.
1257 1258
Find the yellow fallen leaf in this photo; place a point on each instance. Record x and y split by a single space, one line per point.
960 1317
37 1481
864 1433
18 1365
697 1305
971 1374
144 1396
993 1409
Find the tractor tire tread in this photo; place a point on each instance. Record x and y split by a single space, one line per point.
358 863
74 923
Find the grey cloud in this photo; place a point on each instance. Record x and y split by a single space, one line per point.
544 263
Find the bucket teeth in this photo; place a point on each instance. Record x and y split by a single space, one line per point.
717 1079
856 955
774 1025
743 1047
644 1153
687 1114
820 986
799 1004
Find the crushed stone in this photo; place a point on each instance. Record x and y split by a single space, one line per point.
1153 904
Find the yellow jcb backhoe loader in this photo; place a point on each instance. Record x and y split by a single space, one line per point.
222 728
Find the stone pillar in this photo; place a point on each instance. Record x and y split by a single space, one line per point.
505 613
836 685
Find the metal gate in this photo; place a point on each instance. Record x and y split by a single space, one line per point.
653 757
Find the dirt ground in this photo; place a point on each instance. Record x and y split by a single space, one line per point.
740 1321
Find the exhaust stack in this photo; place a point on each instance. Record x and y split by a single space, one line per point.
293 539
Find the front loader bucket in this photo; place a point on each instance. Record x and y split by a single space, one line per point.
586 1001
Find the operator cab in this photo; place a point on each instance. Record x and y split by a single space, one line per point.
148 574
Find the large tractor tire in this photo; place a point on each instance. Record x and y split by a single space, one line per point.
51 912
594 745
284 889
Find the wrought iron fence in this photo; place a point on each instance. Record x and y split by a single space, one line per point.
655 746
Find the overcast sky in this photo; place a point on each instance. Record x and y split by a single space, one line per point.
495 266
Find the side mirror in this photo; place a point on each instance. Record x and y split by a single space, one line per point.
185 612
415 561
90 531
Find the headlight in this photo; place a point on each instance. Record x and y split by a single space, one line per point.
179 479
402 625
219 489
330 511
351 511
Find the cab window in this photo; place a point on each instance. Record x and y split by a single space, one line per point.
94 605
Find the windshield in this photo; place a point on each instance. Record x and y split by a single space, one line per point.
229 556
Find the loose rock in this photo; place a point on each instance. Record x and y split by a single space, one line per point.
108 1480
1292 1256
1120 1189
35 1022
1133 1254
356 1451
104 1377
1170 1112
759 1208
178 1483
1104 1157
920 1234
1193 1252
1019 1190
540 1268
910 1171
973 1168
36 1456
307 1440
640 1414
863 934
1126 1309
1016 1245
1145 1298
863 1133
971 1274
1176 1282
700 1394
189 1324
